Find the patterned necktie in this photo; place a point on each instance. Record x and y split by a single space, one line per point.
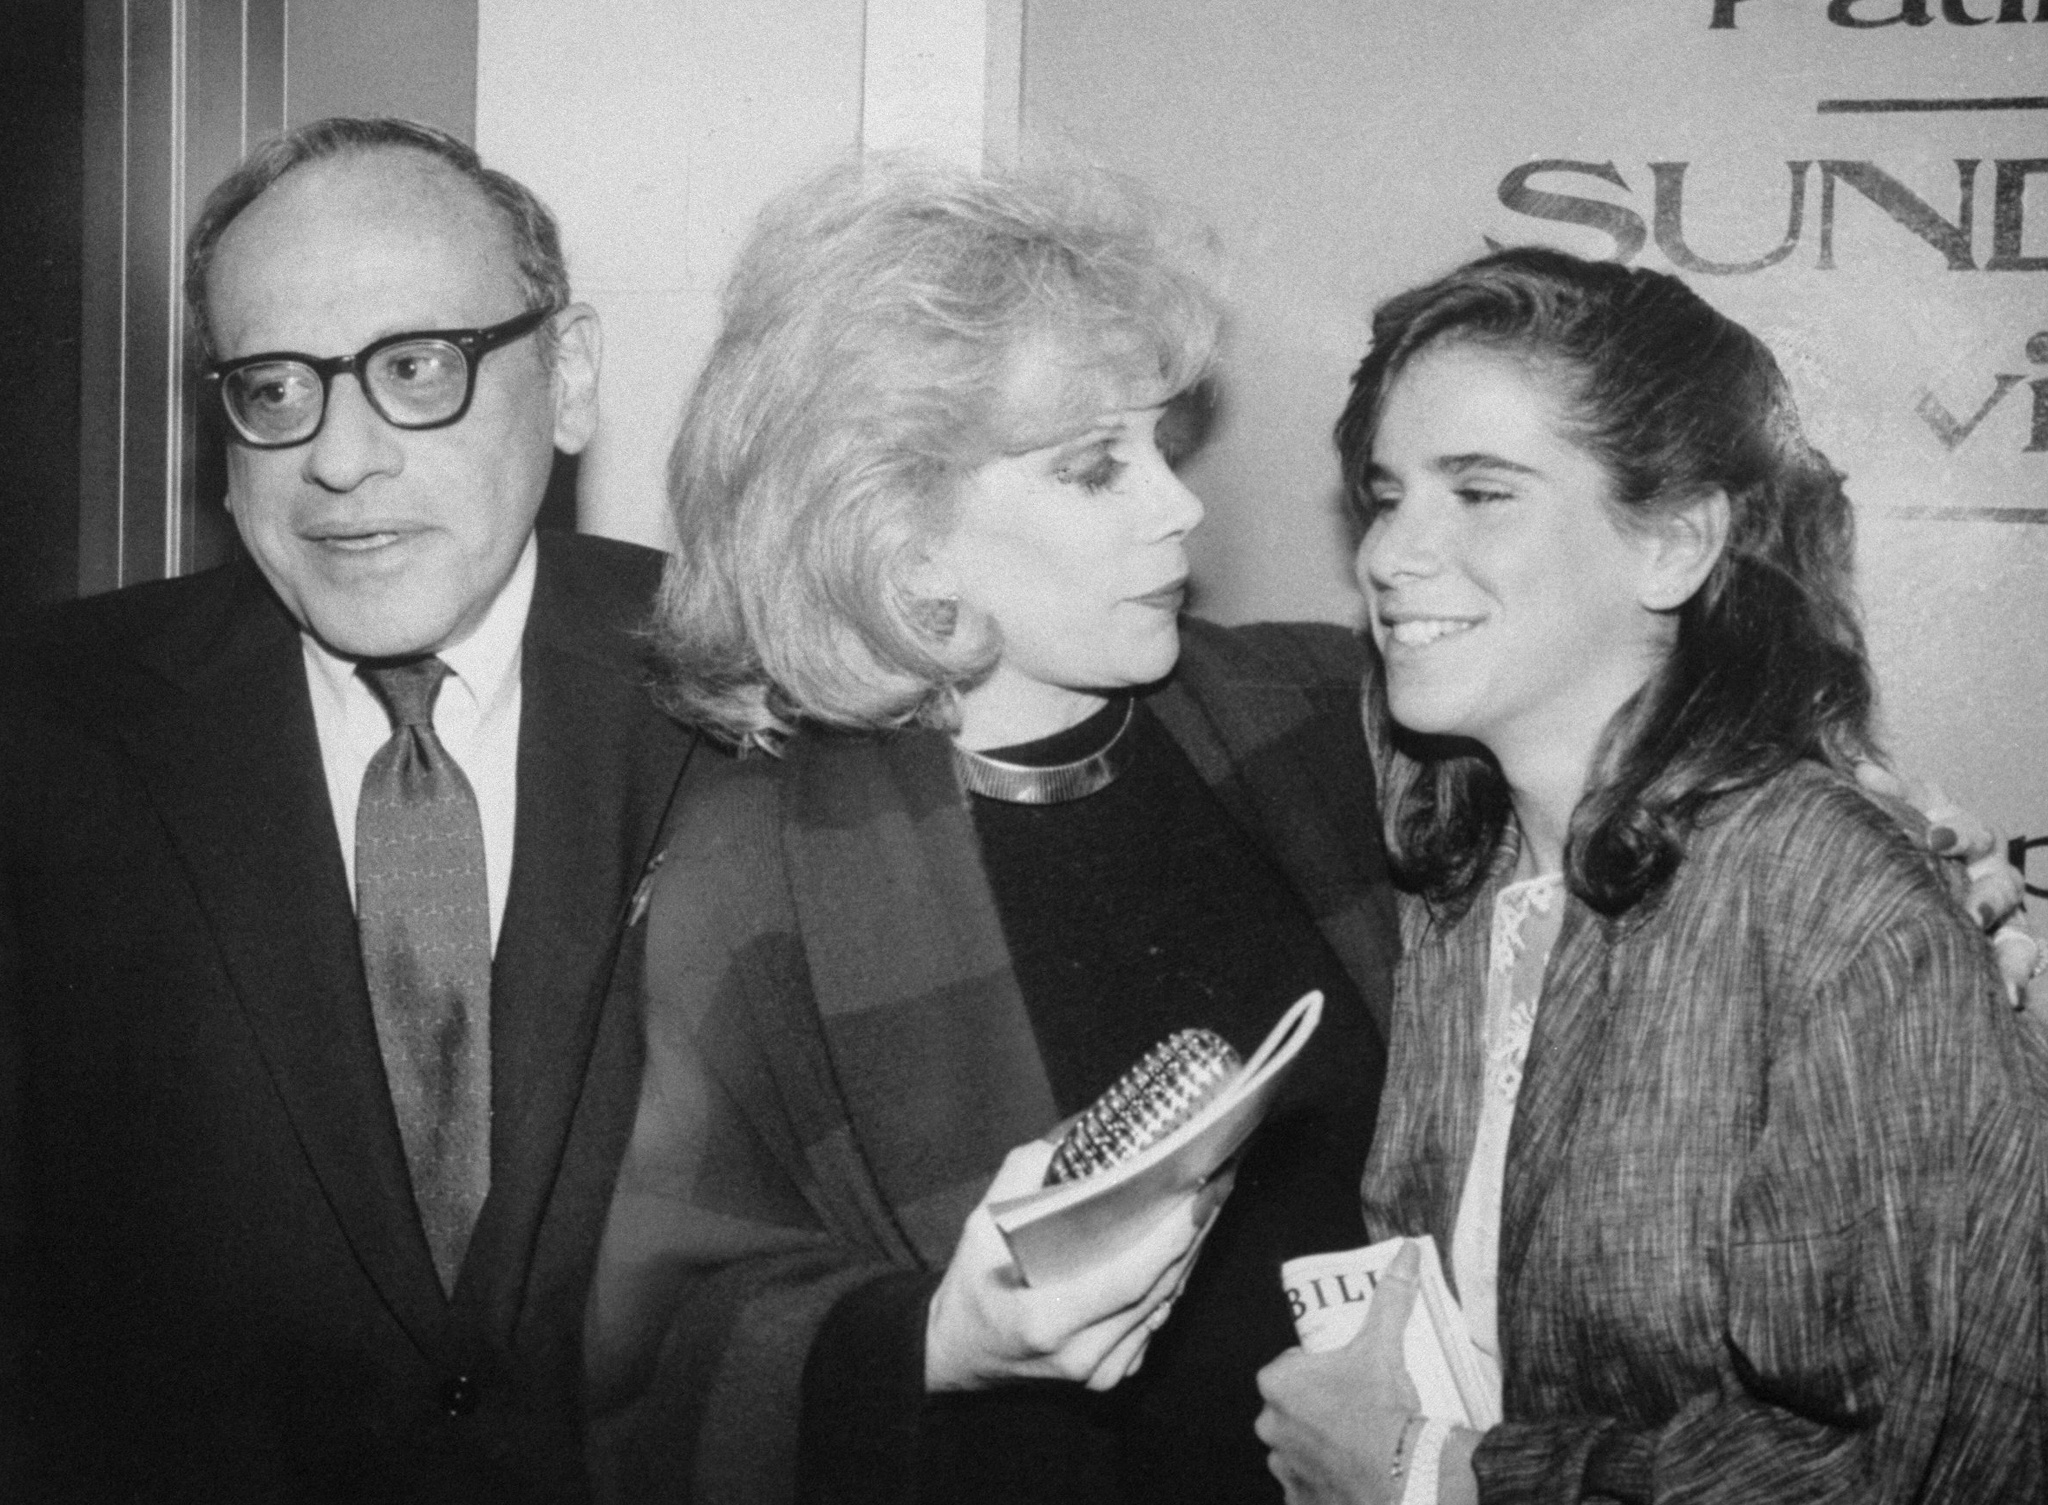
423 912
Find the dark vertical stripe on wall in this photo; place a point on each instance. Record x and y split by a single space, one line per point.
415 58
41 134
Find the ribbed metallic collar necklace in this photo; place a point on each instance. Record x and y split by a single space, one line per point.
1024 784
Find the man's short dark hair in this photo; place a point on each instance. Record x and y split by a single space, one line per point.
536 244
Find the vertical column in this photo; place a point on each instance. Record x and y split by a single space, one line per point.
943 76
1003 89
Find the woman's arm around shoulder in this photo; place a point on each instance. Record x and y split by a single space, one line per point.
1306 654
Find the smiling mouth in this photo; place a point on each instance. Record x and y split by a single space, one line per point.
1420 632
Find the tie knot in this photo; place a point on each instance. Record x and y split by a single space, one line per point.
407 689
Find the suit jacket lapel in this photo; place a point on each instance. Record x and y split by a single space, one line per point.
592 790
927 1029
233 765
1430 1120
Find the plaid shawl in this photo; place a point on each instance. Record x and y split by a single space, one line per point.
1773 1215
839 1056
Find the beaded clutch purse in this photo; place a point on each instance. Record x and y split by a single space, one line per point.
1164 1090
1147 1146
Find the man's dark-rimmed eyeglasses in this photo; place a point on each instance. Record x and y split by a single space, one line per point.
423 379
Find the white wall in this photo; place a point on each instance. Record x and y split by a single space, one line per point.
656 131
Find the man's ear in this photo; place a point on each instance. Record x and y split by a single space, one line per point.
578 344
1682 543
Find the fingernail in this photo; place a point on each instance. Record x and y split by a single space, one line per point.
1941 838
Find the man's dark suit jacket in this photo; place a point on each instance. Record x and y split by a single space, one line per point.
213 1282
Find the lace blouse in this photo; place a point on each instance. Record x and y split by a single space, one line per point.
1526 917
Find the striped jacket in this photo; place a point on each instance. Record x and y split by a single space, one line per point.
839 1056
1773 1217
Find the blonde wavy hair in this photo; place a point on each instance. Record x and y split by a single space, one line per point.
868 327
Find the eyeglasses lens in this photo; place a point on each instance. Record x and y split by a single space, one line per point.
276 402
413 385
419 382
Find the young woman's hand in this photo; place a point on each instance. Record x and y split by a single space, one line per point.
985 1325
1333 1421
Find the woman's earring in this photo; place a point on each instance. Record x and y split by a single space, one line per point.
937 615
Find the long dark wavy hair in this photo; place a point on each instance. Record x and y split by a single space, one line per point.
1673 400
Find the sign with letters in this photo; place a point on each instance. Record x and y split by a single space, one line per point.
1862 182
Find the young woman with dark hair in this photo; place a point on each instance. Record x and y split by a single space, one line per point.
1673 401
1700 1077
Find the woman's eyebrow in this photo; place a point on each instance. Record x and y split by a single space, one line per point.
1057 445
1459 464
1480 460
1096 432
1068 440
1089 432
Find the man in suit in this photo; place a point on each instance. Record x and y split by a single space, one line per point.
317 1051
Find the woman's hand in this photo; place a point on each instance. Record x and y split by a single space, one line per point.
1334 1420
1996 892
985 1325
